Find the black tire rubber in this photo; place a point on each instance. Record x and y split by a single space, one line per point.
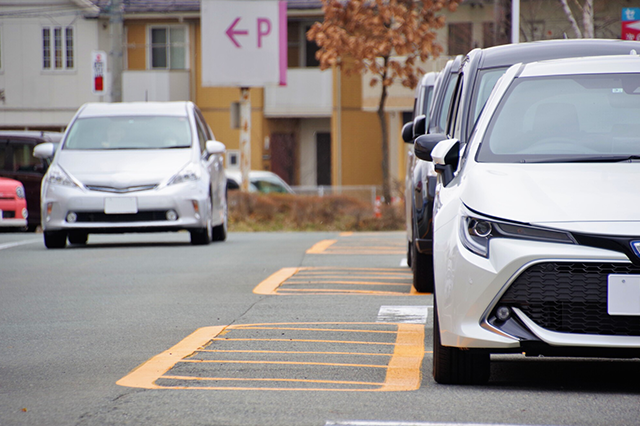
78 237
456 366
219 232
422 267
409 260
55 239
200 237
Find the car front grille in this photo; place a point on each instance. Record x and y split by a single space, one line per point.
121 190
101 217
571 297
8 214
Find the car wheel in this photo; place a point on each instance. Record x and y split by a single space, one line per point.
409 260
220 231
422 266
456 366
78 237
55 239
203 236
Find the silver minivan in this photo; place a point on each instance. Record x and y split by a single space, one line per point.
134 167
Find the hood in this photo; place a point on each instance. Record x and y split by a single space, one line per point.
593 197
123 168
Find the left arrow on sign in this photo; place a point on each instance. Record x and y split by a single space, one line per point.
231 32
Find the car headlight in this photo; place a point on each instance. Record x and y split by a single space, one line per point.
56 176
190 173
476 231
20 192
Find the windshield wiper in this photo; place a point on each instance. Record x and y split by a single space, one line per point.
586 159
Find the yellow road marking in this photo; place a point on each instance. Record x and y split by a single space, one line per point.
304 340
339 382
321 246
346 283
146 374
346 234
403 371
290 352
335 330
270 285
326 364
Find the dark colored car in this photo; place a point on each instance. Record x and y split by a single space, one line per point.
17 162
479 72
433 98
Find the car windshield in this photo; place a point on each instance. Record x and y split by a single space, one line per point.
131 132
566 119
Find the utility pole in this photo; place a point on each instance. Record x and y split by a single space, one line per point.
116 24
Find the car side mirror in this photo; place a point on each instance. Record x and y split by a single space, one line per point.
446 156
44 151
424 144
215 147
419 125
407 132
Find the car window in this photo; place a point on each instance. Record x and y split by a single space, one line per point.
565 117
23 159
130 132
485 83
442 121
3 155
266 185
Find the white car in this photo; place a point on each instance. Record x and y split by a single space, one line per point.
134 167
259 181
537 220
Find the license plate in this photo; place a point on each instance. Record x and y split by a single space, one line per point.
120 205
623 294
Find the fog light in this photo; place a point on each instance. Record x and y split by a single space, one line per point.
72 217
25 213
172 215
503 313
196 208
49 209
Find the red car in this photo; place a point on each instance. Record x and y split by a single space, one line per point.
13 204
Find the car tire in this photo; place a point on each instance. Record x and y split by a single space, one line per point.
203 236
55 239
422 267
220 232
456 366
78 237
409 259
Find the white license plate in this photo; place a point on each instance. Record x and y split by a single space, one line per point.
120 205
623 294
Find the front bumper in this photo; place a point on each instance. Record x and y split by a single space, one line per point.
188 200
551 311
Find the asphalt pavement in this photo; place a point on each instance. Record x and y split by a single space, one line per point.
263 329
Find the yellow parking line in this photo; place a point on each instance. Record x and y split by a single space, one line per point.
285 291
232 361
270 285
242 351
404 371
340 330
346 234
321 246
349 342
235 379
146 374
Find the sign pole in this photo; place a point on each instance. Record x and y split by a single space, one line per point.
245 137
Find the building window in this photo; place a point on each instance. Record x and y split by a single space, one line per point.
58 48
459 42
168 48
301 52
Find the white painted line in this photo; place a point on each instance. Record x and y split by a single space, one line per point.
403 314
376 423
404 263
19 243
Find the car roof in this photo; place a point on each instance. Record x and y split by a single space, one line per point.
620 64
508 54
100 109
32 135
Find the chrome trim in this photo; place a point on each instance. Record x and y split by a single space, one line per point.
113 190
570 339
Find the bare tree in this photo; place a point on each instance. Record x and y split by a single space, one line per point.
384 37
586 7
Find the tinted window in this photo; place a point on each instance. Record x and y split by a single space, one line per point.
442 121
572 117
487 79
135 132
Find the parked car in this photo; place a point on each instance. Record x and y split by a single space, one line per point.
432 101
134 167
259 181
479 72
17 162
536 230
13 205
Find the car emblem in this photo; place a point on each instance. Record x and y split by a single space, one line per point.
635 245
